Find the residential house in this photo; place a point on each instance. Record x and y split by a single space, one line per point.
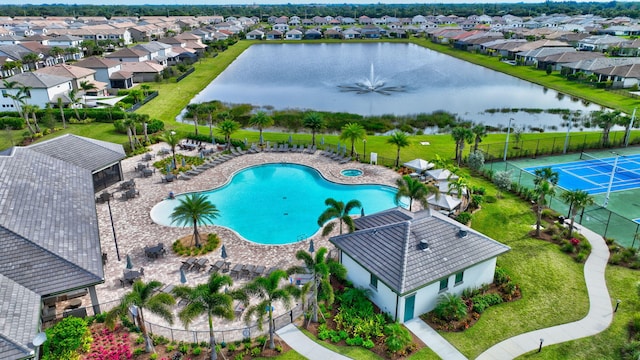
600 42
623 76
294 34
157 51
55 250
351 33
531 57
557 60
78 76
370 32
192 41
255 35
144 71
43 89
283 28
589 66
274 35
313 34
108 71
333 34
128 55
408 260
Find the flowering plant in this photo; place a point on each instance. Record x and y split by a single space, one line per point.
575 241
109 346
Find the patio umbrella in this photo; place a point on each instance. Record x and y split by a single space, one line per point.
201 155
173 164
245 142
183 277
361 211
311 247
224 252
168 168
184 162
322 141
290 139
129 263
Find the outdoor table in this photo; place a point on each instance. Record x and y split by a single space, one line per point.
147 172
132 276
155 251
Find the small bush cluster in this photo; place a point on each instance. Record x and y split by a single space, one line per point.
212 243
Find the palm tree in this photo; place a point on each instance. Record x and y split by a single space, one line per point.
31 58
61 107
56 52
606 120
268 290
144 297
211 299
352 132
414 190
227 128
315 122
542 189
31 110
172 140
261 120
578 200
458 186
194 109
399 139
73 97
546 174
86 86
338 210
194 209
461 135
479 131
321 268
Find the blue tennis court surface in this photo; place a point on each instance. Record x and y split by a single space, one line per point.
593 175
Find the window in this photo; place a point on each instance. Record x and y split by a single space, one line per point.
444 284
373 282
459 277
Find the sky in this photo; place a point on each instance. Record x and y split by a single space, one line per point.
266 2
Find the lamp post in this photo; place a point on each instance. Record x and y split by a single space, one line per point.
540 347
113 228
617 304
566 139
506 144
613 173
627 135
364 150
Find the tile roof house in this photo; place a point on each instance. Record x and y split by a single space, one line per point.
408 259
44 89
145 71
49 234
108 71
78 75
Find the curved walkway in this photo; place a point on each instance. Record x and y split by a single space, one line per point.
597 320
305 346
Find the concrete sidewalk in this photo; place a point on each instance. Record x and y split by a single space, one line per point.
305 346
598 319
433 340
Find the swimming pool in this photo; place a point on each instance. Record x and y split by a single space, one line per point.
280 203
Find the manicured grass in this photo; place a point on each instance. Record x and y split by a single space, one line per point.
289 355
354 352
621 283
553 288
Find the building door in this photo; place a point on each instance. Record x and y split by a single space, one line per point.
409 305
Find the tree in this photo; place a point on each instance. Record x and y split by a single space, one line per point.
261 120
227 128
352 132
399 139
479 131
321 268
414 190
544 182
61 107
577 200
337 210
315 122
461 135
209 298
171 138
606 120
458 186
144 297
502 179
268 290
31 59
194 209
57 53
86 86
28 109
194 109
75 100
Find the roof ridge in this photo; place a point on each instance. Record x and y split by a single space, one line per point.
405 251
49 252
17 345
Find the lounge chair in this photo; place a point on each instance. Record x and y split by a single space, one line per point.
234 152
313 149
294 148
258 271
239 149
183 176
301 148
217 266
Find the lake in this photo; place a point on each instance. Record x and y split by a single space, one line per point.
383 78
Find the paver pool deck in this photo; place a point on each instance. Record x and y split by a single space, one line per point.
134 228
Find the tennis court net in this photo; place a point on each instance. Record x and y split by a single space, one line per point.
626 168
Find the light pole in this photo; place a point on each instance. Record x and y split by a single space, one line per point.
566 139
506 144
113 228
617 304
627 135
364 150
540 347
613 174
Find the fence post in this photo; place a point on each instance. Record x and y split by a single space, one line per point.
584 142
172 338
607 226
535 154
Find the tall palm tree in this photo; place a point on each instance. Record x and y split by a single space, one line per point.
400 139
227 128
337 210
578 200
261 120
86 86
352 132
321 268
541 190
194 110
31 111
31 59
479 131
458 186
546 174
61 107
194 209
144 297
209 298
75 100
171 138
315 122
414 190
269 290
461 135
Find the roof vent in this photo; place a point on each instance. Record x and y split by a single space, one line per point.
423 245
462 233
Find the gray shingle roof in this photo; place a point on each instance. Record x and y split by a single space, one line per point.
84 152
388 246
20 309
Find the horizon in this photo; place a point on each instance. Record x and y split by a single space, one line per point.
264 2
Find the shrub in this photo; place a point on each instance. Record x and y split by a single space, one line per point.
631 350
261 340
481 302
153 356
323 332
232 347
66 339
354 341
450 307
567 247
183 348
255 352
634 323
463 218
138 352
278 348
368 344
501 276
14 123
398 337
196 351
582 256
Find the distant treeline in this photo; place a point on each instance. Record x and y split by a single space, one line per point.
607 10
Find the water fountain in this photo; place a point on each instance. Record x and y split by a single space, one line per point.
372 84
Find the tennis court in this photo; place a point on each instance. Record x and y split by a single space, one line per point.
593 173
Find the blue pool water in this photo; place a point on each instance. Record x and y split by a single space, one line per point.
280 203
